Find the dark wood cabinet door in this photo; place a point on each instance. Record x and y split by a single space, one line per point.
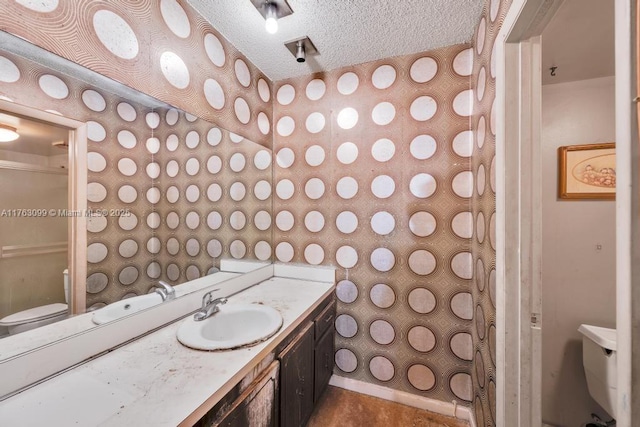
256 407
296 380
323 364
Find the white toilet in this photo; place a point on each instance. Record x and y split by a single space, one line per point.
38 316
599 357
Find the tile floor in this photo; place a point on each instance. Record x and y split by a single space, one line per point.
343 408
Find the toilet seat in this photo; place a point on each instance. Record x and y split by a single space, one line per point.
34 314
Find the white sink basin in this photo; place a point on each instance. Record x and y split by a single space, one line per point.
125 307
235 325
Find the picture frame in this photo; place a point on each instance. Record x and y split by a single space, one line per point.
587 172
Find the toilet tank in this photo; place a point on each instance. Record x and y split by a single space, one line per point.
599 357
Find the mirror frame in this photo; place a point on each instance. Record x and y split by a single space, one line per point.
77 197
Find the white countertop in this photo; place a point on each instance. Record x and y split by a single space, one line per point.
155 380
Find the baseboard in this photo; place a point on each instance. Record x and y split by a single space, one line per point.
404 398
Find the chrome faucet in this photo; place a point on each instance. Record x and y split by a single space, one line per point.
165 290
210 306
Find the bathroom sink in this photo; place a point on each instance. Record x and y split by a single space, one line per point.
233 326
125 307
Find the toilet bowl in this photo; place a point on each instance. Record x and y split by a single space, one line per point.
38 316
599 357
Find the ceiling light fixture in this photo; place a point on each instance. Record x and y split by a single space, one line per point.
301 56
272 11
8 133
271 18
301 48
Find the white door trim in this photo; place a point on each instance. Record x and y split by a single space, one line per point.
519 212
627 217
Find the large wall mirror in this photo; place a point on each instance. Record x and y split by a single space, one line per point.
168 196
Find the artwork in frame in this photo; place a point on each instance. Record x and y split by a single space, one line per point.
587 171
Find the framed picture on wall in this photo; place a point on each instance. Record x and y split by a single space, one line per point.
587 171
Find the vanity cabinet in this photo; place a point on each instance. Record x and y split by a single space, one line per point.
296 380
283 389
256 406
306 365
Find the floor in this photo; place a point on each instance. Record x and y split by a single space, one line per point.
343 408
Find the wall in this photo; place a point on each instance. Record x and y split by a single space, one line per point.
140 68
483 202
578 279
117 160
139 161
161 48
134 42
214 198
373 177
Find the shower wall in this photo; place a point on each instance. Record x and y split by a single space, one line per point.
31 280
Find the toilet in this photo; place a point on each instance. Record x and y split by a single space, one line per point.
38 316
599 357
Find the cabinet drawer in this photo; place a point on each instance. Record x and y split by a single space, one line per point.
325 320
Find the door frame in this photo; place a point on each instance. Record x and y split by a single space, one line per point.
77 198
518 210
627 213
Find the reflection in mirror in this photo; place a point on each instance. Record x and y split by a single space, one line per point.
34 183
174 194
213 198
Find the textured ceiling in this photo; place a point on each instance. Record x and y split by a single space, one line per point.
345 32
580 42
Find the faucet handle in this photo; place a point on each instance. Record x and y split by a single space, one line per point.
219 301
166 291
208 297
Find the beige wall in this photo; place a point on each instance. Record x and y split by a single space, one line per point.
578 279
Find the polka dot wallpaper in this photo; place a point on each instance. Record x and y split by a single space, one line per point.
373 175
214 198
385 170
117 161
483 203
163 48
190 192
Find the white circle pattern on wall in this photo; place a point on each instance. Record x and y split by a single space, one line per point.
347 153
347 118
394 293
348 83
115 34
175 18
383 77
382 368
174 70
383 150
382 295
372 113
315 89
346 291
423 70
9 72
214 49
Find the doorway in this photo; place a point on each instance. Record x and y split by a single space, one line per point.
519 210
73 239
